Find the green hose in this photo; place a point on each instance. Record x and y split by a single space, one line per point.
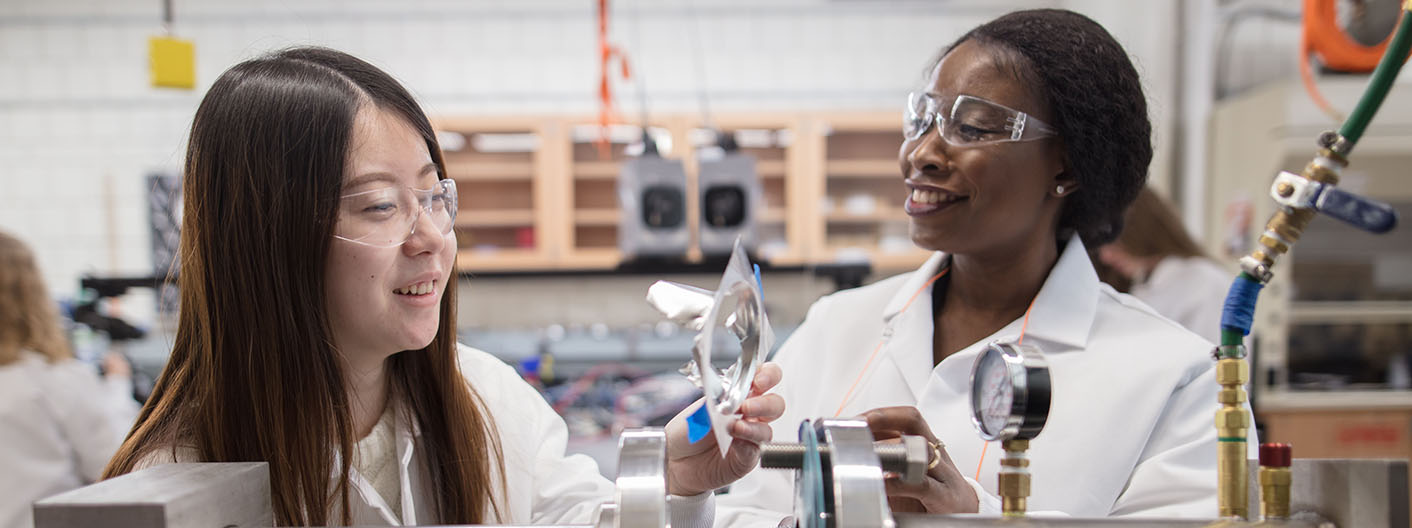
1383 78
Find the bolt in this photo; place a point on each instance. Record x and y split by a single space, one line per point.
908 459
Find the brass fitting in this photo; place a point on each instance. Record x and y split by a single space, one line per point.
1275 479
1274 492
1232 425
1014 484
1232 372
1287 224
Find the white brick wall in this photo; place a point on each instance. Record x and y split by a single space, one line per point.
80 128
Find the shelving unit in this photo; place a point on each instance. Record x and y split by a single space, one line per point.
861 198
498 166
538 194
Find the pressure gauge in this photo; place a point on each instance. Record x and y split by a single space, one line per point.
1009 392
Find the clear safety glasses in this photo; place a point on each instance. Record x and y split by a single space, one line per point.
387 216
970 121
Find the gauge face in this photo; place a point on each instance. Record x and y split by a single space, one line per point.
992 393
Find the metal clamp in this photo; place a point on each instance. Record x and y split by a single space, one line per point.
640 494
844 490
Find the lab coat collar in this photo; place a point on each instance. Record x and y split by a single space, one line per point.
1067 304
1063 310
407 432
913 284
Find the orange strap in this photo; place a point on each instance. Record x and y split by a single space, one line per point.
606 53
1023 327
874 355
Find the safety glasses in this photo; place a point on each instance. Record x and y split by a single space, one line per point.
968 121
387 216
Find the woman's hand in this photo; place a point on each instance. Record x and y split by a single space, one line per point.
697 468
943 490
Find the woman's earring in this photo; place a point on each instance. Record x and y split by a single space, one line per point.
1059 190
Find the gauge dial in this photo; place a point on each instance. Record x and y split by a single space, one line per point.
1009 392
993 393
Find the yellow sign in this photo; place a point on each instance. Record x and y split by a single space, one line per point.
173 62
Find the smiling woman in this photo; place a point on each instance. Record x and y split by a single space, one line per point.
317 324
1024 145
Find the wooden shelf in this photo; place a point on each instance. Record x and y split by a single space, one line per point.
565 193
490 170
508 218
890 262
585 217
770 168
596 170
591 258
608 170
500 259
876 216
863 168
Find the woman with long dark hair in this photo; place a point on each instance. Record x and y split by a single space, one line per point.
1022 147
317 324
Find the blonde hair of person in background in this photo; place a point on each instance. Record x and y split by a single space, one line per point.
1157 261
28 320
58 423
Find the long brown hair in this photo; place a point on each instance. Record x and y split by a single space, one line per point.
28 318
253 375
1153 229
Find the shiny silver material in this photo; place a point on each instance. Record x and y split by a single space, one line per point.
908 459
641 492
922 520
736 307
682 304
166 496
1301 191
1024 375
1256 269
854 495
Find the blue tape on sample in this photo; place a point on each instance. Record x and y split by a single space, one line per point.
698 424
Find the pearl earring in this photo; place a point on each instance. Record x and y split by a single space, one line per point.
1059 190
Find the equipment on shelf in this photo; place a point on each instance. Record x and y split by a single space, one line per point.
731 197
652 196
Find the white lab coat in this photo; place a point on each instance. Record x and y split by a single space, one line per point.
1130 428
543 485
1188 290
59 425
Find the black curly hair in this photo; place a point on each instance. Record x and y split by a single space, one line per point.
1085 77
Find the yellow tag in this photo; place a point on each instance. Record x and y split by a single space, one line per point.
173 62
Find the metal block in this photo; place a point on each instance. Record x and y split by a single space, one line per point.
1348 492
168 496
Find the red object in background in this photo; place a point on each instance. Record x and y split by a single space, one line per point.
1369 434
524 237
1275 455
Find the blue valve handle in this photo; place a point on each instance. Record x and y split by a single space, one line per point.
1369 215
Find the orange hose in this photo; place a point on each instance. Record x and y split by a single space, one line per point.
1322 36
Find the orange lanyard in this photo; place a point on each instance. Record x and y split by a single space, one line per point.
1024 325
